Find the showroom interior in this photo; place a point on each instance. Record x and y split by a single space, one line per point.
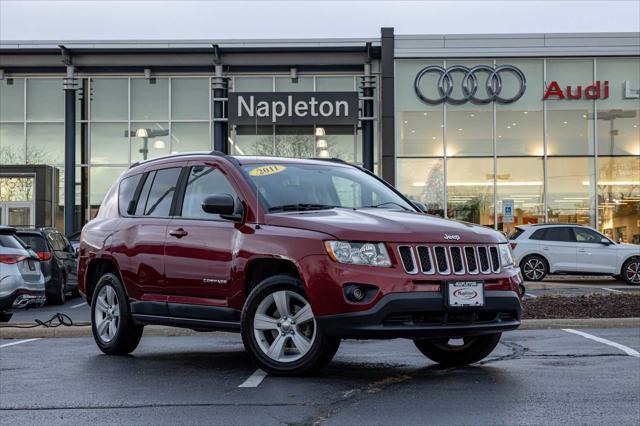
573 160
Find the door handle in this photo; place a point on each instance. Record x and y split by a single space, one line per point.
545 248
178 233
582 250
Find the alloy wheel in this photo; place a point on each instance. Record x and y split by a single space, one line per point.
633 272
284 326
533 269
107 314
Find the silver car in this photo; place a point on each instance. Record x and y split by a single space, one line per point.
21 278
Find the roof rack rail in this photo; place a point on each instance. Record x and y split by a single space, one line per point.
182 154
331 160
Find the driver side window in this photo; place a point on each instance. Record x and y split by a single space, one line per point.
203 181
586 236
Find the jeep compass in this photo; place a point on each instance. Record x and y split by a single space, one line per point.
295 255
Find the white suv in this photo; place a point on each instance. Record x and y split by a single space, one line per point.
572 249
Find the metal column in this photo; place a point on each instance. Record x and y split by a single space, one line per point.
367 117
70 86
220 123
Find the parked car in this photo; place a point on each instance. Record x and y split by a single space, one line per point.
326 251
573 249
59 261
21 278
74 239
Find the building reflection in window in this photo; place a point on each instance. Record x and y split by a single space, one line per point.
423 180
521 180
470 190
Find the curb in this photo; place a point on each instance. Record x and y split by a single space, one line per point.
83 329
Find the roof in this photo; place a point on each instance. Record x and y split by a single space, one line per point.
7 229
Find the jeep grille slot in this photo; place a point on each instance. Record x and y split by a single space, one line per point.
408 259
484 260
441 260
456 259
472 263
426 263
495 262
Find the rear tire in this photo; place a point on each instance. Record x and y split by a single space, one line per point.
631 271
534 268
111 322
5 316
284 343
474 349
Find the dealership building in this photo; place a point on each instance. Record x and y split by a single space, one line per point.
463 123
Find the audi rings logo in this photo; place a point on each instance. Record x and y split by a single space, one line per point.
472 78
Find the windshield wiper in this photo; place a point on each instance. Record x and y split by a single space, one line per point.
385 204
300 207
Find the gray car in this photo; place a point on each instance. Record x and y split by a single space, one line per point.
21 278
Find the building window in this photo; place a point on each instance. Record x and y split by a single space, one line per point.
149 99
12 143
45 99
619 198
187 137
109 143
570 190
423 180
294 141
190 98
570 121
618 115
521 180
149 140
109 99
470 190
12 99
519 125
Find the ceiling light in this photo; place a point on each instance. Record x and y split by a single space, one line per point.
142 133
405 122
565 122
322 143
323 153
525 112
320 131
159 144
419 184
434 138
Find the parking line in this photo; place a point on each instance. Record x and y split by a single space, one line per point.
6 345
623 348
530 295
612 289
254 380
78 305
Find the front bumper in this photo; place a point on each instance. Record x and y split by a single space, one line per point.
424 315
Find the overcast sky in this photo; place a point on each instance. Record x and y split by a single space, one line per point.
111 20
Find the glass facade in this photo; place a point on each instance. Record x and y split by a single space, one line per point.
124 119
559 160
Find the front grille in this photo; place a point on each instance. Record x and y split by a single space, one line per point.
426 263
441 260
495 262
408 261
472 264
456 259
484 260
450 258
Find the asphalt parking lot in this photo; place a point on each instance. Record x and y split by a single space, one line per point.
533 377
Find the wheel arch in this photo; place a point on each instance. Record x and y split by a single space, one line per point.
626 259
95 269
259 269
535 253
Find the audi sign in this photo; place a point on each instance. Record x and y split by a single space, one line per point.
487 75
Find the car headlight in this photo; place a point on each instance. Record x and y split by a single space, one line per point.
506 257
374 254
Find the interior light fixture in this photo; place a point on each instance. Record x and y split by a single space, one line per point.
320 131
323 153
159 144
142 133
322 143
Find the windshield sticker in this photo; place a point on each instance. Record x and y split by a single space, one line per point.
267 170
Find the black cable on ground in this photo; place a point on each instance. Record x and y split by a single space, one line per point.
63 319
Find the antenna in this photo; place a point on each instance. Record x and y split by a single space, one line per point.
255 127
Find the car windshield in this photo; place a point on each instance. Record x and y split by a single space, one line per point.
36 242
290 187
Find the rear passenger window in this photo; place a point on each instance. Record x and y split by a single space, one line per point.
127 191
203 181
558 234
144 194
538 234
161 193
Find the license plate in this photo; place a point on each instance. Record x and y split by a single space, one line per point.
465 294
32 265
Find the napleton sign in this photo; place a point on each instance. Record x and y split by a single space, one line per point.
293 108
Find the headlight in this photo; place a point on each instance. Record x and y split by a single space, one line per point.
506 257
374 254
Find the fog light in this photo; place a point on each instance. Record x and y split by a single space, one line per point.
357 293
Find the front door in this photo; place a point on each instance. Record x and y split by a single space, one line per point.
199 246
592 256
17 213
558 245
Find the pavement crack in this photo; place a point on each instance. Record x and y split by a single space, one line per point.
151 405
350 396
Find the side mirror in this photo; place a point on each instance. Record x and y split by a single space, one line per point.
605 241
419 205
223 205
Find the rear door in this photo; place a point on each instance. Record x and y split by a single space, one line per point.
140 244
591 255
558 245
199 245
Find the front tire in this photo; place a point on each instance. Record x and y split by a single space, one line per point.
534 268
111 320
445 352
59 297
631 271
279 330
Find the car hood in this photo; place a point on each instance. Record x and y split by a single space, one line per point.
629 247
386 225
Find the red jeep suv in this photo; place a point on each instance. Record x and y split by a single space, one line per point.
295 255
